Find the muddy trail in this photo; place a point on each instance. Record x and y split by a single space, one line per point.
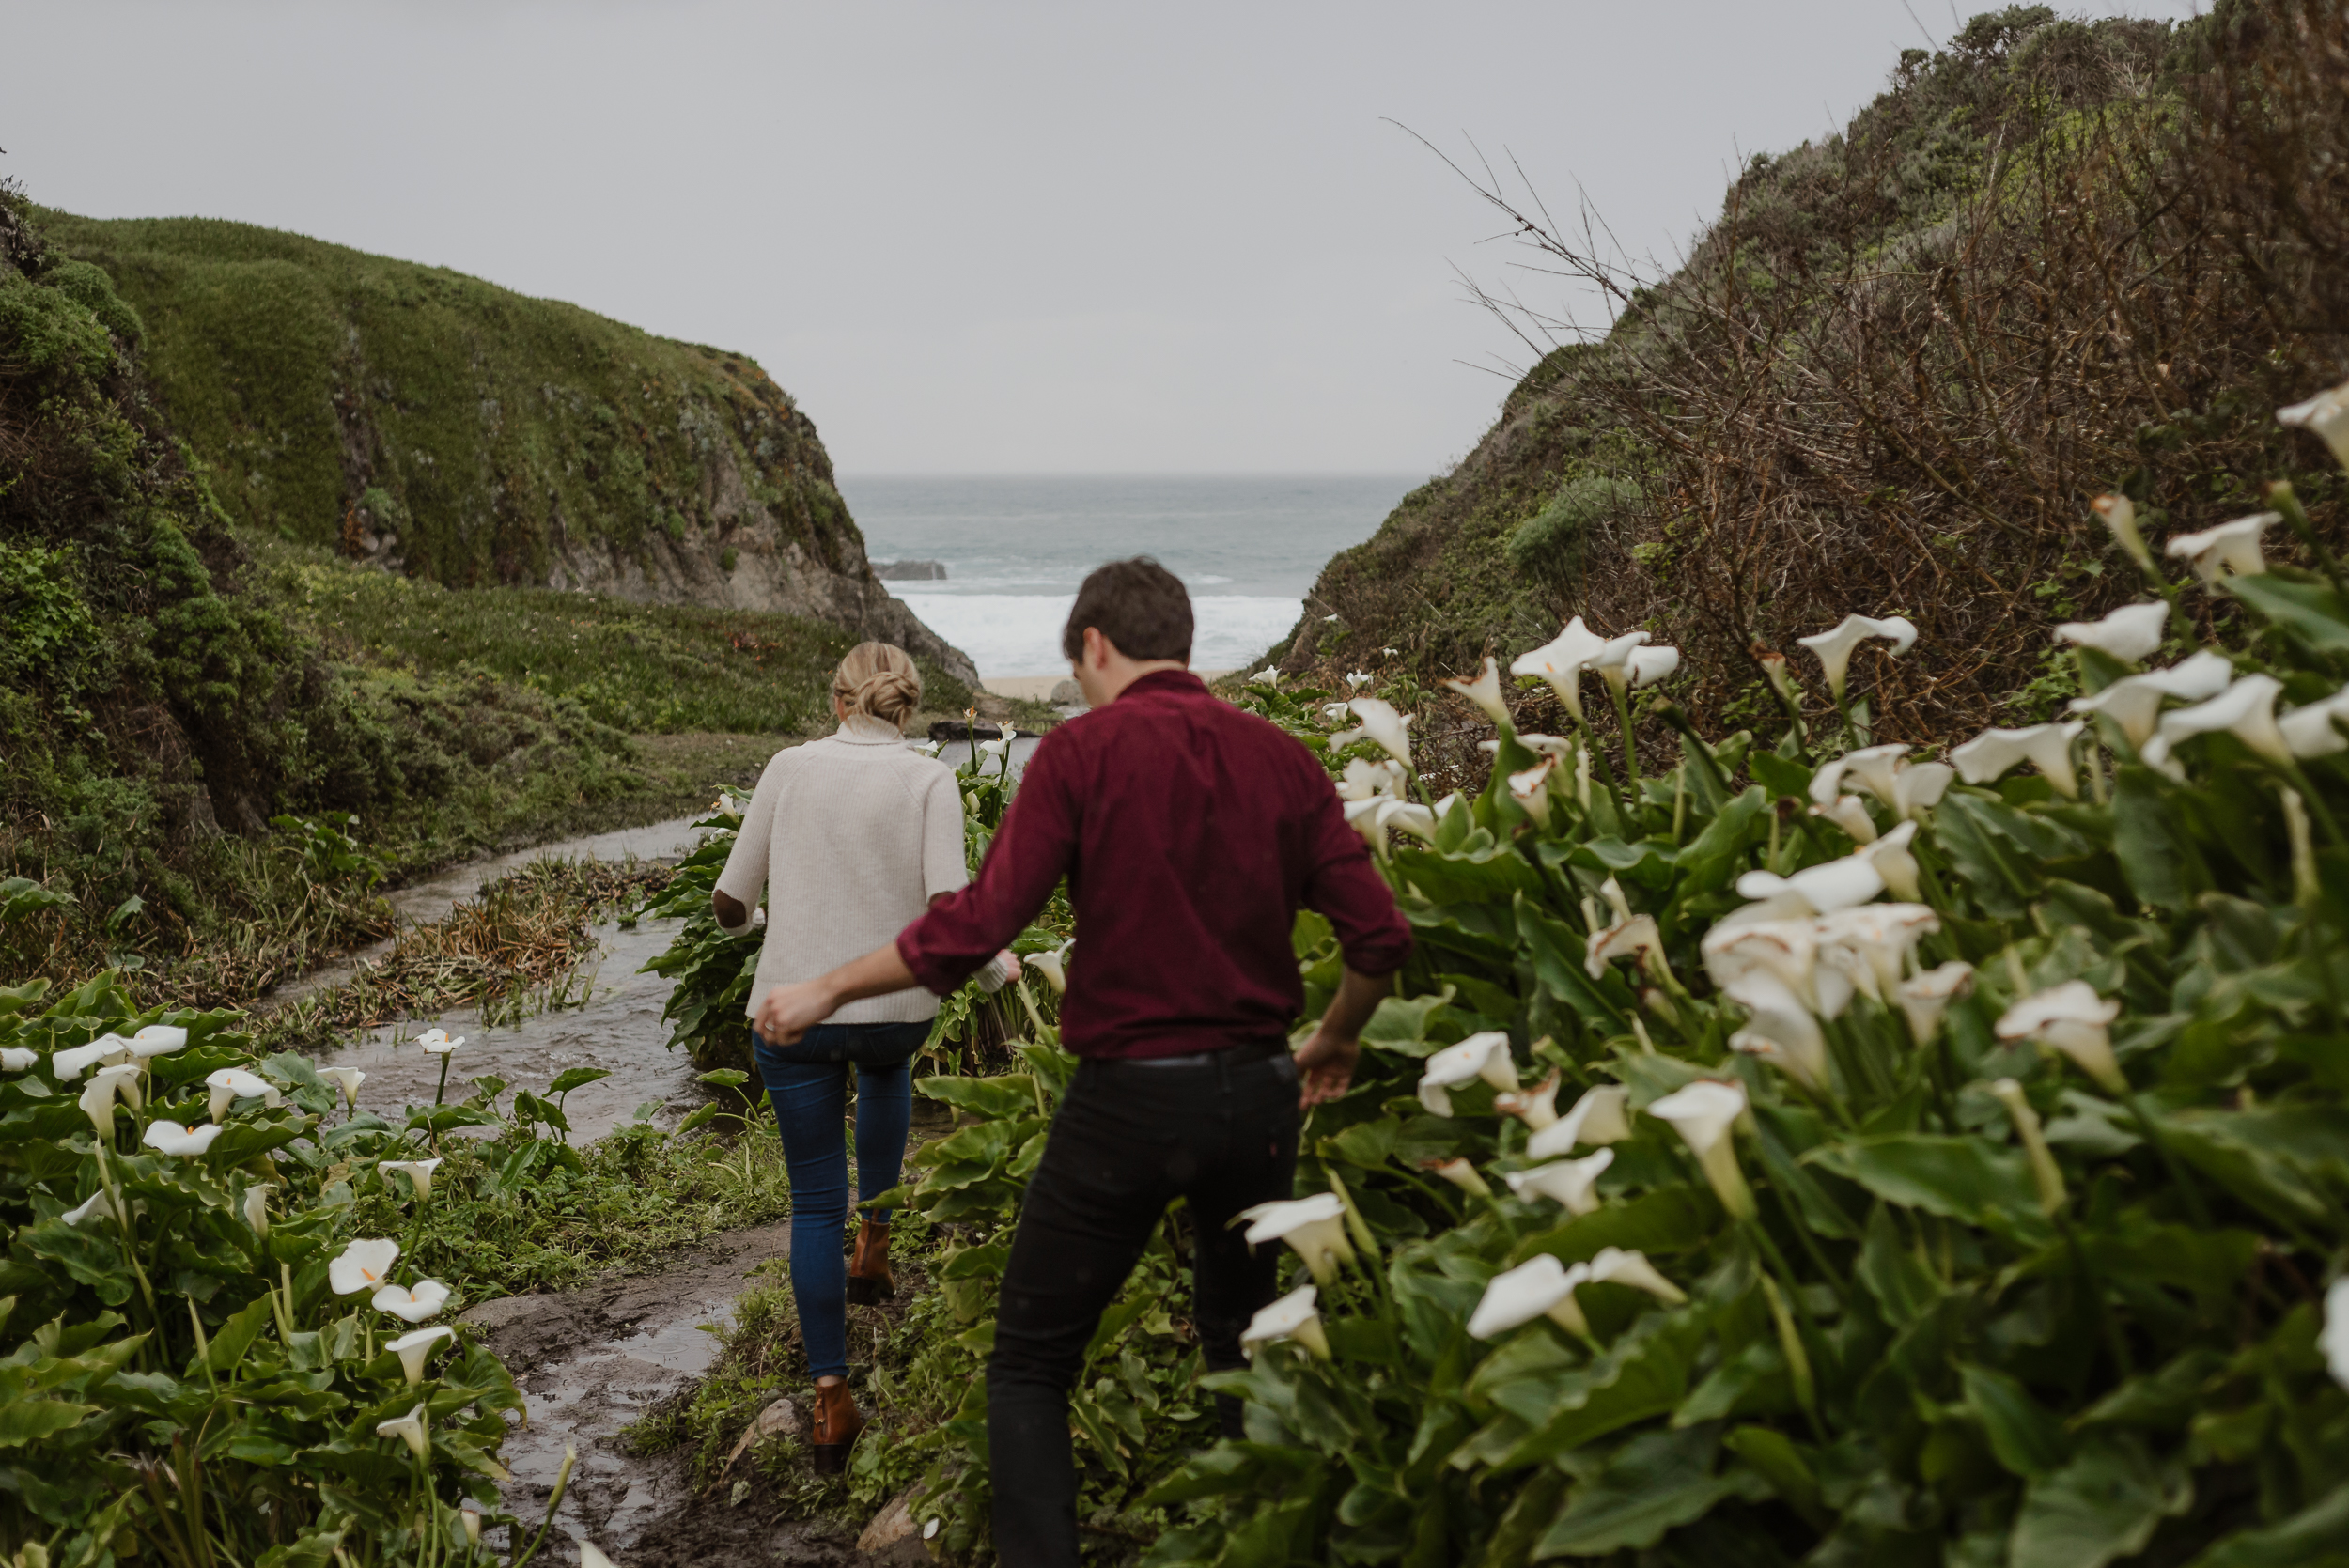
597 1357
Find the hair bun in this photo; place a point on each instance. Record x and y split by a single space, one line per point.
879 680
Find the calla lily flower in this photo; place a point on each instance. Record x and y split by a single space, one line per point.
347 1079
1835 884
1314 1227
1362 816
1336 713
1703 1113
2334 1338
1485 692
97 1206
470 1518
1389 653
2134 703
1293 1317
2327 416
994 748
415 1349
1636 938
1460 1174
1531 789
362 1265
1835 647
1782 680
1649 665
2315 731
231 1084
1851 815
2245 711
1053 964
1926 997
1382 725
2075 1020
416 1171
1330 620
1601 1116
1777 1017
71 1063
2231 548
2048 747
1357 679
169 1137
2129 634
1872 944
257 1206
157 1039
1561 662
1268 675
106 1085
17 1058
1890 854
2119 514
1485 1056
1875 768
1407 816
1537 1106
1919 788
1542 1287
2045 1173
1786 950
1364 778
438 1041
1618 1265
1567 1183
410 1429
412 1303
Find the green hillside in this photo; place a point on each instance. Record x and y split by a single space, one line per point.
466 434
2055 260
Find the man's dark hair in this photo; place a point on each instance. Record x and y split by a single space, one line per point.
1138 605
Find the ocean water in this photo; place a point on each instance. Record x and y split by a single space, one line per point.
1015 549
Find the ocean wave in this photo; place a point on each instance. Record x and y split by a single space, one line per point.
1019 634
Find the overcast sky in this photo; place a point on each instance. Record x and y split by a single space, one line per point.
969 237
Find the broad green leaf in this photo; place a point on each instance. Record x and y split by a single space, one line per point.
2024 1437
1643 1375
2105 1504
1903 1287
2318 1533
1654 1482
1774 1458
28 1421
1401 1026
2156 855
579 1077
2310 609
1958 1178
1669 1220
1012 1095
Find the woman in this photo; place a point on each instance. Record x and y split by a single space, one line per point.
857 834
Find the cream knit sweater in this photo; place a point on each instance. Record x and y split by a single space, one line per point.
856 832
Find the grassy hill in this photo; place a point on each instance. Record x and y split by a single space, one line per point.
466 434
2055 260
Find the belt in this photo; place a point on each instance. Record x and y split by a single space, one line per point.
1251 1050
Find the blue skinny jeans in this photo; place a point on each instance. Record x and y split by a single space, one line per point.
808 1083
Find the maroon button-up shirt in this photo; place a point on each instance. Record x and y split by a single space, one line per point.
1190 833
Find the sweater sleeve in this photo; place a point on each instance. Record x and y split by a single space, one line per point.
944 866
745 875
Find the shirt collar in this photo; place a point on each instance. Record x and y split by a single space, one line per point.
1170 681
862 729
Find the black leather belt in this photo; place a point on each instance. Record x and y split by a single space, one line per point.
1252 1050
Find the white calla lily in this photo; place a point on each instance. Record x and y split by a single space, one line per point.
1872 943
1357 679
2048 747
1919 788
17 1059
1834 649
419 1171
1382 725
1890 854
1530 788
347 1079
1850 812
1542 1287
1776 1016
2333 1340
1460 1174
1294 1318
1051 964
2230 549
230 1084
166 1137
71 1063
1485 692
410 1429
2326 416
362 1265
1571 1184
256 1205
1786 950
2245 711
1314 1227
1619 1265
1268 675
1364 778
2134 703
97 1206
2314 730
439 1042
1600 1117
1703 1113
1636 938
416 1349
1649 665
119 1081
1336 713
1561 660
412 1303
1537 1106
2130 634
1926 997
1482 1056
157 1039
1407 816
2074 1019
1835 884
2119 515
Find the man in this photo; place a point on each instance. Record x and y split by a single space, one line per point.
1190 833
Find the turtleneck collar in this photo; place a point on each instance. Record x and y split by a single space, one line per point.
862 729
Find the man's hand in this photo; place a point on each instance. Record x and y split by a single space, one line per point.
1325 1068
788 1011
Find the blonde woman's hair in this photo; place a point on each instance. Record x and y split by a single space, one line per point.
879 680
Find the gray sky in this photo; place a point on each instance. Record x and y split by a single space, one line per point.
970 237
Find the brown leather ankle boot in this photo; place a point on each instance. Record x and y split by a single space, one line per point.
837 1422
868 1271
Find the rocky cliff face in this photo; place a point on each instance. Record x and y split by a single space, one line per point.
438 425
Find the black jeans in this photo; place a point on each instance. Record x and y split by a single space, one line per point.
1128 1140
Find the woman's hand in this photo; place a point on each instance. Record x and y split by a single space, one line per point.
788 1011
1010 961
